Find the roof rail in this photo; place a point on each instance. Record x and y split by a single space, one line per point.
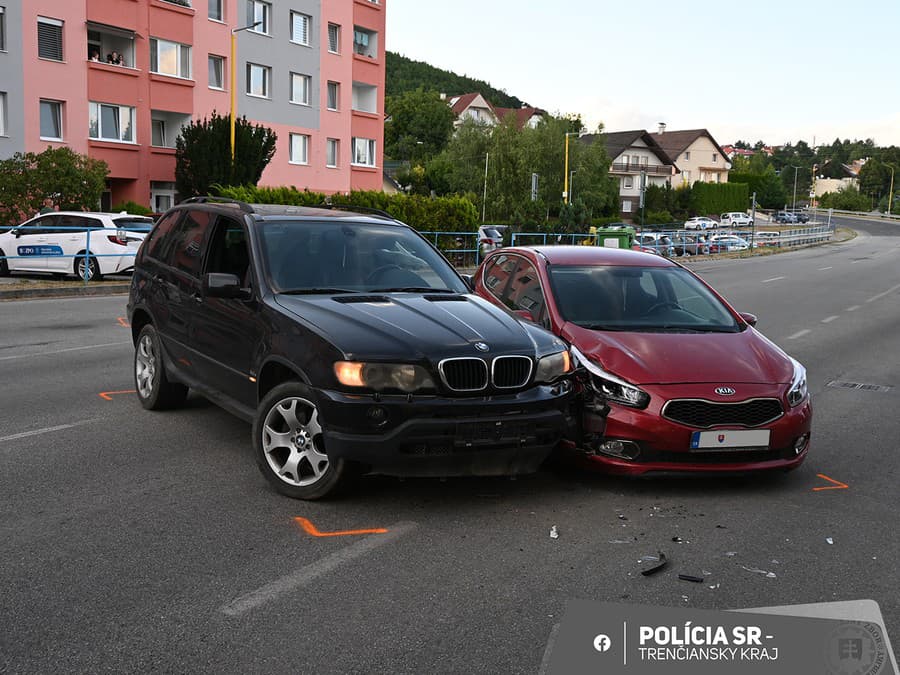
210 199
359 209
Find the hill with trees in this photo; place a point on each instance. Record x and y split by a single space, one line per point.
405 75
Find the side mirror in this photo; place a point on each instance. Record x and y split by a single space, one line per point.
470 281
524 314
218 285
749 318
17 233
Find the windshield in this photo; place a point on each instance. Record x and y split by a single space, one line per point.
134 223
328 257
638 299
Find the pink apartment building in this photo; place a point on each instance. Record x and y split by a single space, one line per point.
311 70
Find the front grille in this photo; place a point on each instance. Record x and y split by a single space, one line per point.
702 414
510 372
464 374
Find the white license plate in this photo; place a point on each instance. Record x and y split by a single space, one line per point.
730 438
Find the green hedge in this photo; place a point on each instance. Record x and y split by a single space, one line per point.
426 214
715 198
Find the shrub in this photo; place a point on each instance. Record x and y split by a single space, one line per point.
133 208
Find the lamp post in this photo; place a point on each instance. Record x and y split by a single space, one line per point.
891 190
566 172
234 32
794 203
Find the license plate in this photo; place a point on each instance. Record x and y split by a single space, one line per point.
742 439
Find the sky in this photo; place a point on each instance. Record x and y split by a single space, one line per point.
777 71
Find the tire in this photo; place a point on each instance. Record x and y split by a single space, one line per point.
154 390
4 265
289 445
93 268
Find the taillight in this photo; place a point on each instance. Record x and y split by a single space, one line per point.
118 238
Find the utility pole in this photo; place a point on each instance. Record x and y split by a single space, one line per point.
753 222
484 196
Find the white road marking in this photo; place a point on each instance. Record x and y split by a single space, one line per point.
45 430
63 351
765 281
826 268
306 575
830 318
799 334
548 650
881 295
854 262
852 308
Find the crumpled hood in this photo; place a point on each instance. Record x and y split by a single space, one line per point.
412 326
747 357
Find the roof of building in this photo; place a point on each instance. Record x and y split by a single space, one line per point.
523 114
618 142
676 142
458 104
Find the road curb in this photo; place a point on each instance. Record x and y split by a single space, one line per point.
79 291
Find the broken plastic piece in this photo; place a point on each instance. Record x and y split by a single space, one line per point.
829 540
657 567
730 554
678 540
755 570
691 577
622 517
619 541
554 533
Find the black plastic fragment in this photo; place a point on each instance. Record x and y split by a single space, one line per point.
663 561
691 577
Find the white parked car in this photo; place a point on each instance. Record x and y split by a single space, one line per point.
736 219
490 238
728 242
700 223
56 243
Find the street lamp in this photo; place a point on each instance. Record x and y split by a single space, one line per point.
891 191
794 203
234 32
566 172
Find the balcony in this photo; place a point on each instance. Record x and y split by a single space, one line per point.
365 42
651 170
109 44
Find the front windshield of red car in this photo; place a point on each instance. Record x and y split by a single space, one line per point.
620 298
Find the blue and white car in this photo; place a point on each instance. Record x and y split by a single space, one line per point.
57 242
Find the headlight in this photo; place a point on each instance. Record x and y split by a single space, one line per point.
404 377
797 393
611 387
552 367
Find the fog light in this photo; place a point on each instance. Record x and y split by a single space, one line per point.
377 415
801 443
622 449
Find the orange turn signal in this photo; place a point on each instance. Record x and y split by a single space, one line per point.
349 373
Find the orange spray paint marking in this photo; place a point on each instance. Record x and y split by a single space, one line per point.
107 395
123 322
311 530
838 485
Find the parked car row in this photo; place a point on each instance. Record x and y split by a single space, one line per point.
353 346
791 217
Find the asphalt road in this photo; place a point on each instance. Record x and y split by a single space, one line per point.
137 541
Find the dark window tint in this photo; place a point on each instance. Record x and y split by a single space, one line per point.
187 242
525 291
228 253
159 239
43 225
75 224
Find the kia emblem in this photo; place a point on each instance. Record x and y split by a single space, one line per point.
725 391
482 347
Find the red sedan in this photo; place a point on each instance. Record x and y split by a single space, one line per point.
674 378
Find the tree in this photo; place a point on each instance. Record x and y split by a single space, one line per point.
74 182
592 184
848 199
419 125
203 154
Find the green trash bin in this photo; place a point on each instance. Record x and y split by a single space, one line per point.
613 236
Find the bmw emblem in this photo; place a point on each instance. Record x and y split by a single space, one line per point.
725 391
482 347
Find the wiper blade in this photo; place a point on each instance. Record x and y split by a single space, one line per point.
317 291
598 326
412 289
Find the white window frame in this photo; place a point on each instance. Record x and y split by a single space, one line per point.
55 23
715 157
59 119
2 29
221 11
162 127
628 182
305 83
308 20
332 147
369 153
337 38
98 107
336 86
183 58
626 206
267 80
221 59
2 113
265 13
303 148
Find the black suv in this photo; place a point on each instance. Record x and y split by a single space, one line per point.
347 339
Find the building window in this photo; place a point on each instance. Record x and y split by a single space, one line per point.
300 28
715 157
166 126
215 10
332 152
334 95
2 112
635 160
111 122
50 39
299 152
300 88
365 42
334 38
216 72
628 182
365 97
158 133
258 80
687 156
2 29
51 120
170 58
364 151
259 13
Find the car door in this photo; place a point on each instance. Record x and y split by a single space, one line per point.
224 332
68 235
32 245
